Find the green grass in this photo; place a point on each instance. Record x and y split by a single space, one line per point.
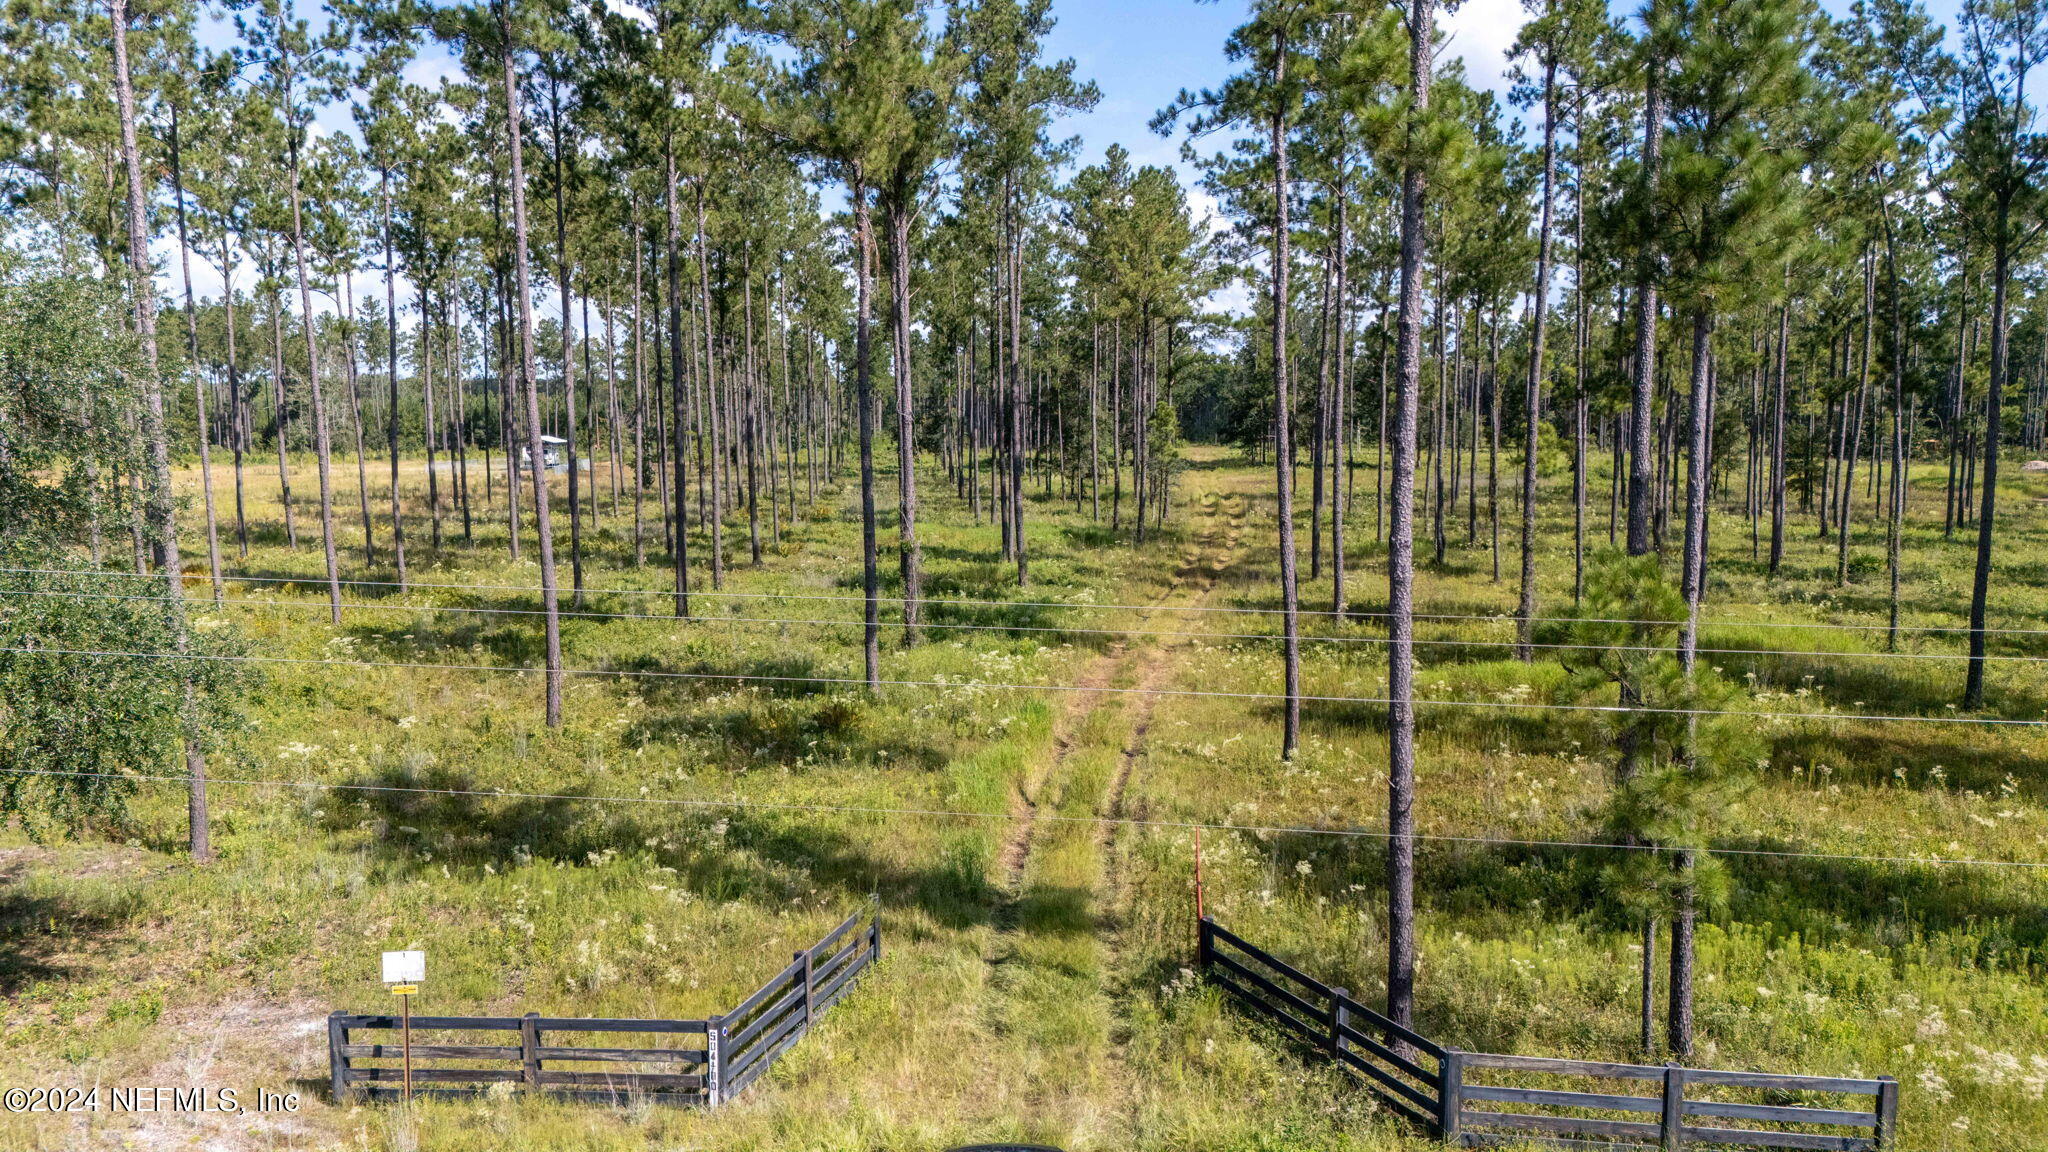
1052 1003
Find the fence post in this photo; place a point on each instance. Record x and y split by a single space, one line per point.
1673 1115
804 958
1204 944
714 1062
529 1048
875 930
1450 1101
1340 1017
1887 1112
337 1059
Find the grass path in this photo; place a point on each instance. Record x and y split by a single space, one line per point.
1123 799
1054 977
1203 572
1198 571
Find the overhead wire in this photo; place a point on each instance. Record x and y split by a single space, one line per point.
1503 617
585 614
1050 817
977 685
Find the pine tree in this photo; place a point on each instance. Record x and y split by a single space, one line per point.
180 96
1887 53
1410 147
1999 180
1013 98
1734 210
1268 96
162 509
299 73
917 77
1560 38
383 113
831 105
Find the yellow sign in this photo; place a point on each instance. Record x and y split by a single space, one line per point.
405 989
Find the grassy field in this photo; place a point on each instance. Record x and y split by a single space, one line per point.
1035 981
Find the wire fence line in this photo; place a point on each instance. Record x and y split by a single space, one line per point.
978 685
1502 617
742 804
1379 641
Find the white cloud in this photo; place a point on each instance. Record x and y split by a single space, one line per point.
432 68
630 11
1481 33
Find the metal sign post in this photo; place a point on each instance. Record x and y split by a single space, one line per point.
404 971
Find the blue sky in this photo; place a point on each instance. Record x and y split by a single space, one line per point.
1141 53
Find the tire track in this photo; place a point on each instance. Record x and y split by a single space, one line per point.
1116 891
1049 984
1156 667
1101 673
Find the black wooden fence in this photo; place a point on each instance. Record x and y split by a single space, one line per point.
706 1063
1432 1086
1405 1070
1851 1115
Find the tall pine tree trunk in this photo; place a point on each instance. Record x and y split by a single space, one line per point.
639 396
567 287
1319 435
1283 436
1854 435
1642 397
430 426
673 441
1900 479
322 447
391 381
522 273
1525 616
1582 323
1340 444
751 428
1678 1022
864 396
198 379
1401 543
1492 396
238 404
710 432
355 411
280 403
901 204
1016 375
1994 393
162 507
1778 418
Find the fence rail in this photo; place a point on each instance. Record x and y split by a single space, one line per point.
1433 1086
730 1050
1402 1068
1854 1115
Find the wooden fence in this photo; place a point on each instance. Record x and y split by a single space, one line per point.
1432 1086
707 1062
1685 1103
1402 1068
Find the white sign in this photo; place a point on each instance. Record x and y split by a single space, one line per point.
405 967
